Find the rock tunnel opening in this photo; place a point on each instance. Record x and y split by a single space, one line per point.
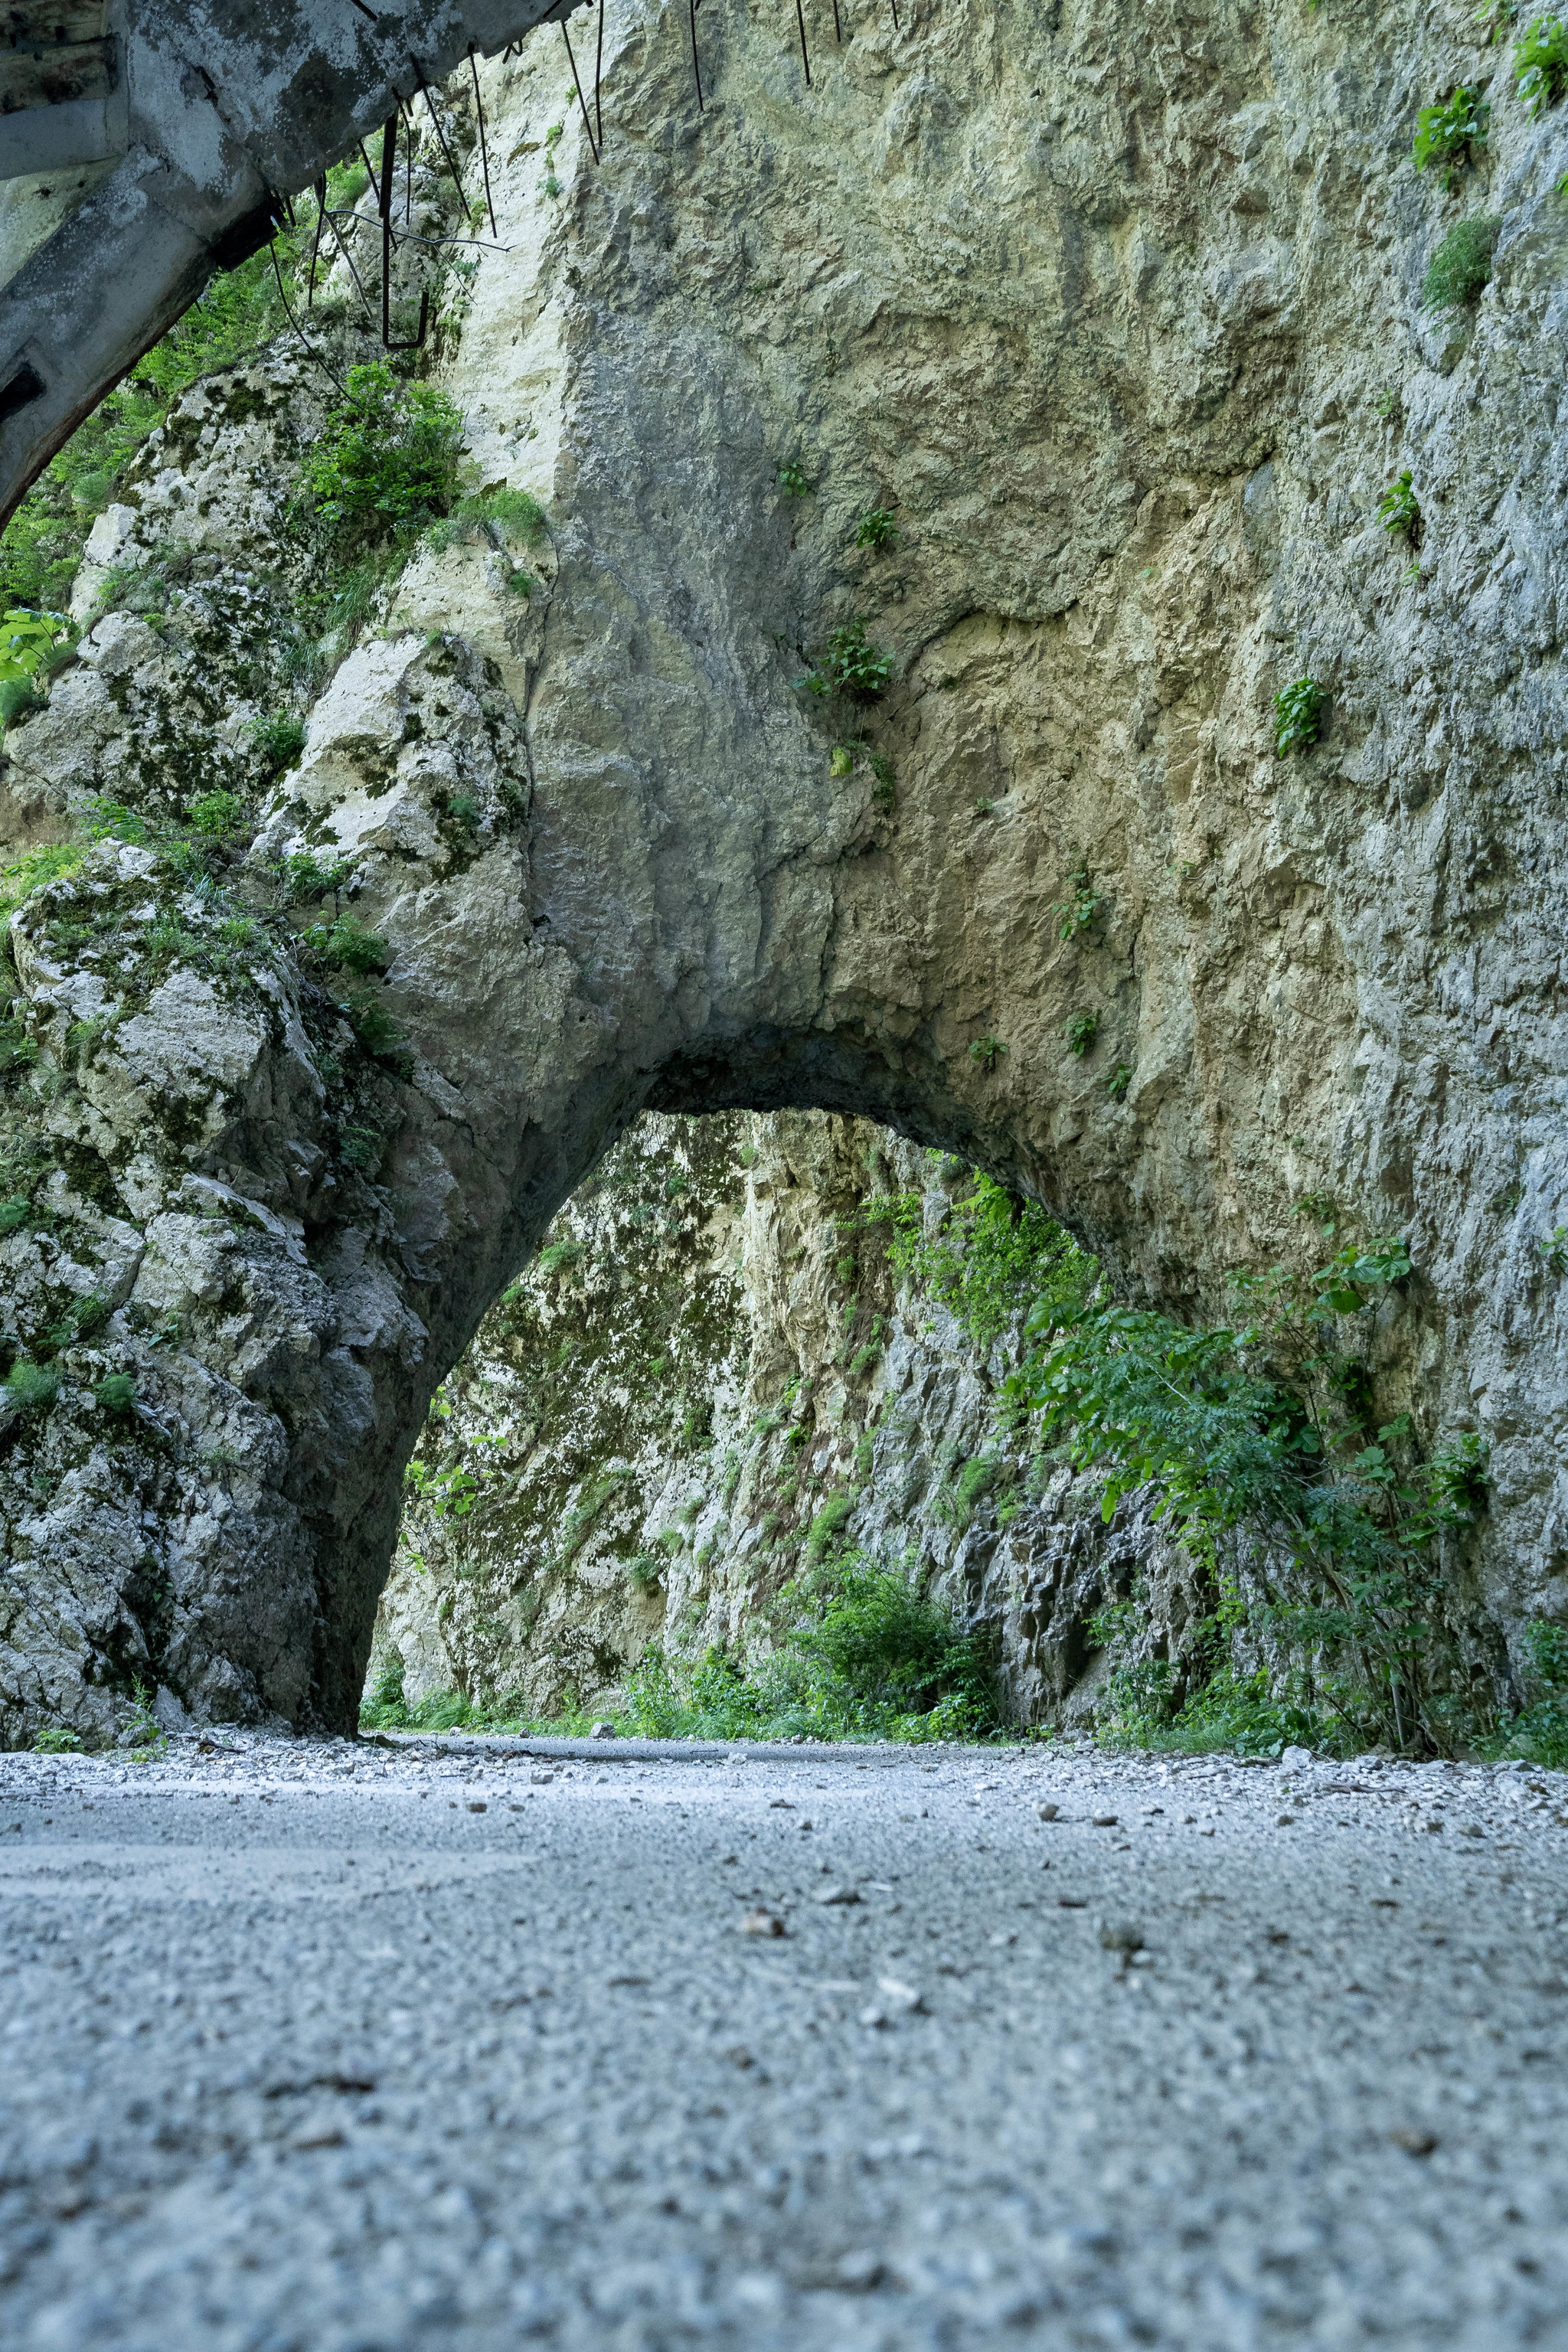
754 1377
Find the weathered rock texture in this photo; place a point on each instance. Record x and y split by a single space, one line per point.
1108 306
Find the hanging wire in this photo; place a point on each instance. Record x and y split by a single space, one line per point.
348 256
599 78
440 134
388 163
581 100
375 183
696 69
837 27
484 155
894 3
806 61
316 240
293 321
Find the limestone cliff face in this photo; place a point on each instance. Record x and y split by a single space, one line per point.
709 1376
1116 311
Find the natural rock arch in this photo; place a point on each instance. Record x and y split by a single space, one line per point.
1108 318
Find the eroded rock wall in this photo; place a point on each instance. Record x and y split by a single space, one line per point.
1117 311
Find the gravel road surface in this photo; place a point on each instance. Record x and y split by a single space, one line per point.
318 2048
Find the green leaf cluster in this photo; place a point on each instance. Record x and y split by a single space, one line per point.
851 665
1540 63
1298 716
1445 130
1397 509
385 462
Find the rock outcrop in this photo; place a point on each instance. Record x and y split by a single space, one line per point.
1116 314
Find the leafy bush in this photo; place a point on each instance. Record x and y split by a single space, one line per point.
885 789
1120 1079
1081 1032
116 1393
989 1262
877 527
377 1029
386 463
33 1387
851 665
1462 264
869 1656
280 739
1444 131
58 1739
1540 63
216 814
19 700
29 641
828 1525
1077 912
987 1051
1397 509
52 863
792 481
513 513
1298 716
346 944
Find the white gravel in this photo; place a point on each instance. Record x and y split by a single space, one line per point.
312 2048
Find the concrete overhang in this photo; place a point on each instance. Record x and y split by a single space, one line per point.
146 144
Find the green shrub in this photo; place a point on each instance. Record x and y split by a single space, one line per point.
1540 63
792 481
1081 1032
1298 716
1462 264
1397 509
513 513
877 527
14 1213
308 877
1075 913
116 1393
278 739
851 665
377 1029
1444 131
1120 1079
58 1739
385 462
217 814
346 944
987 1051
33 1387
869 1656
19 702
828 1525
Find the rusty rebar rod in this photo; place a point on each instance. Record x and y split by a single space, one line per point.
484 152
582 101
